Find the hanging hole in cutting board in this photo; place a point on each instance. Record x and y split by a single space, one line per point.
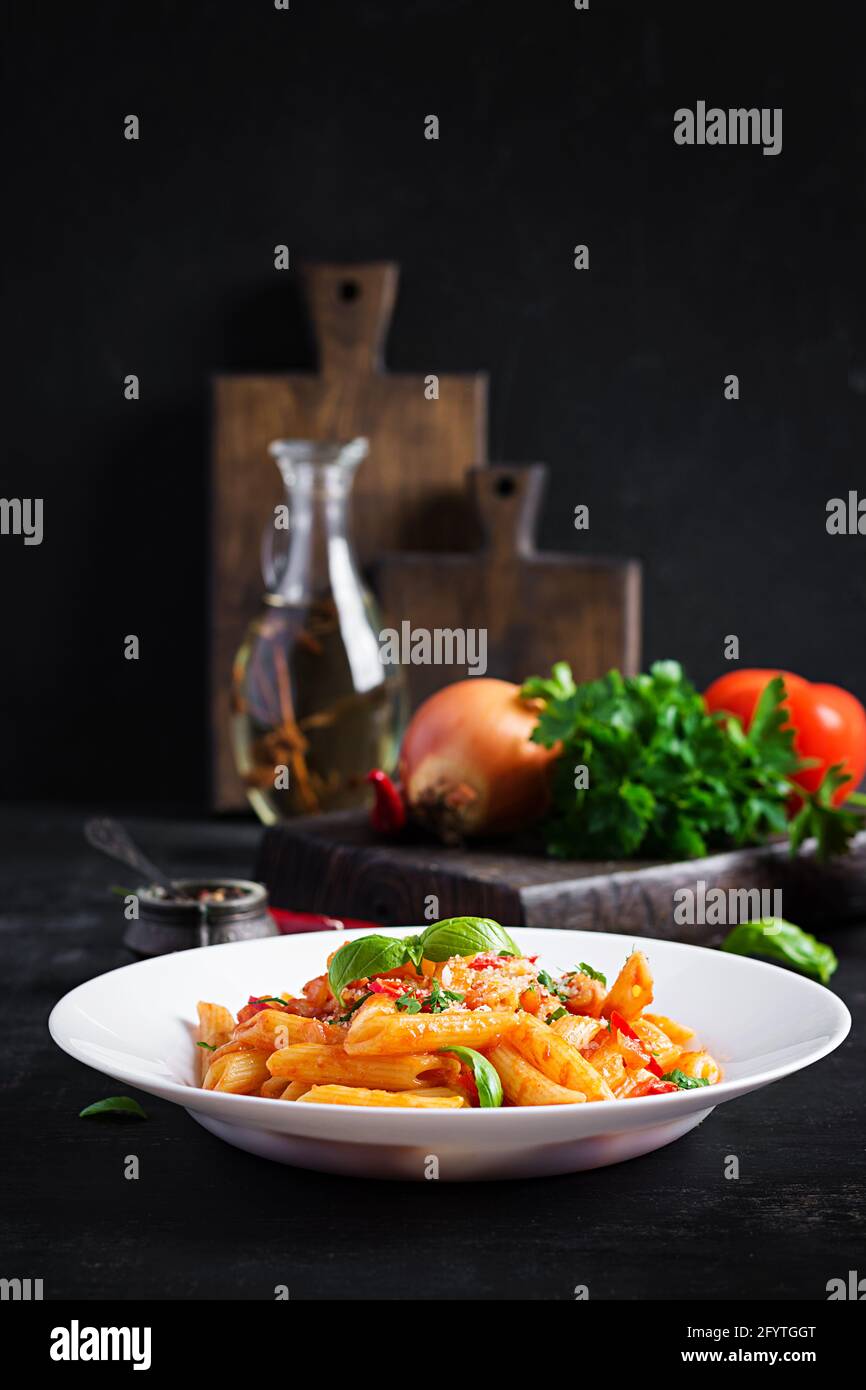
349 290
504 487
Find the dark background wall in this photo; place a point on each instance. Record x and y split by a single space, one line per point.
306 127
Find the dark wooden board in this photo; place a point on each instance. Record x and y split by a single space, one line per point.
537 607
409 492
336 864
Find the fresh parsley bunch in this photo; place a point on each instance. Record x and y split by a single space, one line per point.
667 779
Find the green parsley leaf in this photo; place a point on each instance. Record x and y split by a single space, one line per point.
683 1082
440 998
408 1004
557 1013
209 1046
667 779
593 974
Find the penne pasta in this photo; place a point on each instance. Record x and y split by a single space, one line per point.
700 1065
578 1029
675 1031
558 1060
241 1073
467 1031
325 1065
215 1025
406 1100
294 1090
632 990
393 1033
524 1084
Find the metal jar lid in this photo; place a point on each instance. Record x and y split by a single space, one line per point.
167 924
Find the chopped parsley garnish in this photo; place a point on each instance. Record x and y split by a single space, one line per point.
210 1046
683 1082
344 1018
593 974
440 998
408 1004
557 1013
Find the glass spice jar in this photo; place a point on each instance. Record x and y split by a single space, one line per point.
223 910
314 705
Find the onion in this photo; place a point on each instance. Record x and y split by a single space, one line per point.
467 765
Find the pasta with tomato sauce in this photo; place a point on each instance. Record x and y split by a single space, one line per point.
481 1029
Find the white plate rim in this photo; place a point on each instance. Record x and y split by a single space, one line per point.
649 1109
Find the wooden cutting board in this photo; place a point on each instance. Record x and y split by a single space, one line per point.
538 607
410 491
336 865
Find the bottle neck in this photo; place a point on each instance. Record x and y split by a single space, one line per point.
319 560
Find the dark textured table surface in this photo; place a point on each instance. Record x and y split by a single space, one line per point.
207 1221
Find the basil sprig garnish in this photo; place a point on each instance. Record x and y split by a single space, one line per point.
486 1076
377 955
683 1082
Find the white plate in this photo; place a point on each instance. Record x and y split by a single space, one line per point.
136 1025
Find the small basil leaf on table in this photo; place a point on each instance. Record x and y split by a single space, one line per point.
781 940
683 1082
114 1105
465 936
486 1076
369 955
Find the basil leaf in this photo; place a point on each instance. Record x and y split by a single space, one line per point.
113 1105
683 1082
486 1076
414 950
369 955
465 936
781 940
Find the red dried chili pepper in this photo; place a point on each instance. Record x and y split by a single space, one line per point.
389 810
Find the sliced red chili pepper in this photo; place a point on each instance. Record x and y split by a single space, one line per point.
619 1023
487 958
389 809
627 1031
393 987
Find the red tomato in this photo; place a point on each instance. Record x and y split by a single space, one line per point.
829 723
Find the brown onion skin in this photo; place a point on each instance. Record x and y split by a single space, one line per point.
467 765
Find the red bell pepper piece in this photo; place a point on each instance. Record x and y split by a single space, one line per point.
389 809
652 1088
